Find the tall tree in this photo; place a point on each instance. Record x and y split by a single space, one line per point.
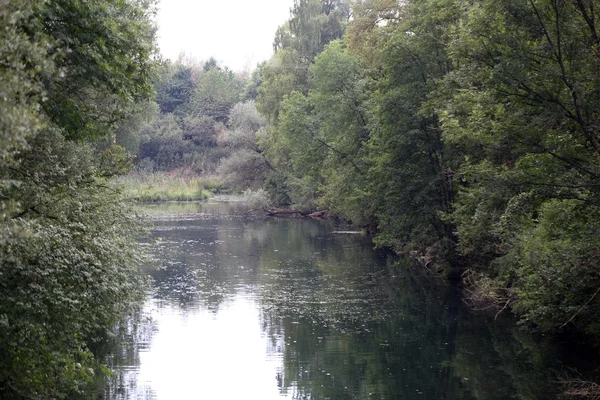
175 88
323 134
411 176
69 71
525 112
312 24
216 91
104 54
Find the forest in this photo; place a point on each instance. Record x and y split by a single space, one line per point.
463 134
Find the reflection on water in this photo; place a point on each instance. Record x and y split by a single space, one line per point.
248 308
195 354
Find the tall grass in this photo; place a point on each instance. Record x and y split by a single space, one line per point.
177 185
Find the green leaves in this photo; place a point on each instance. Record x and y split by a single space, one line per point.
20 88
558 276
456 130
312 24
105 57
215 94
71 277
246 167
522 107
69 69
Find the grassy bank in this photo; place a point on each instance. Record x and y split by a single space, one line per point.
167 186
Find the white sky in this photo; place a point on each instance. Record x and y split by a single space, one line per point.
238 33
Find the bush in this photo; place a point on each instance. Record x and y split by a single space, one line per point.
258 199
557 272
277 188
69 276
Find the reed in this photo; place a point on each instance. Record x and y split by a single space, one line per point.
177 185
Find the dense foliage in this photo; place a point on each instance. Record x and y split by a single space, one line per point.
182 129
462 133
70 71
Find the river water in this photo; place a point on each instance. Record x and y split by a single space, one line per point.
250 308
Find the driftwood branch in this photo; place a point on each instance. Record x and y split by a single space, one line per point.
580 389
279 212
580 309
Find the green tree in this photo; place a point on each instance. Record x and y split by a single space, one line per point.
411 175
319 140
312 24
128 132
340 99
69 70
175 88
246 167
279 79
163 143
20 92
217 90
255 82
22 61
524 111
68 278
373 22
104 54
285 79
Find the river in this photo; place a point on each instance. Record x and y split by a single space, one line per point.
243 307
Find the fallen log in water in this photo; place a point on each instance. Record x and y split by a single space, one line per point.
288 212
318 214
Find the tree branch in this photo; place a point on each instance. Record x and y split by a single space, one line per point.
582 307
344 156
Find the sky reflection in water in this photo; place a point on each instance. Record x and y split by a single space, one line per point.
199 354
245 308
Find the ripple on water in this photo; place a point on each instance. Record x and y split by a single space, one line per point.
287 309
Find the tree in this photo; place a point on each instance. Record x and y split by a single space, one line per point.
68 277
175 88
340 99
254 83
215 94
104 53
21 89
128 132
524 111
319 140
411 169
246 167
20 94
163 143
373 22
70 71
312 24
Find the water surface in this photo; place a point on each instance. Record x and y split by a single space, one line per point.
250 308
